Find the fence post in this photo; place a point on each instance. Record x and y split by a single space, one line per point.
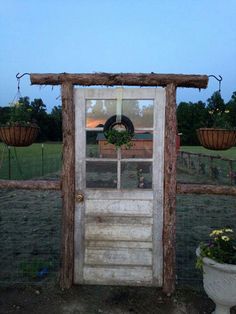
42 159
9 162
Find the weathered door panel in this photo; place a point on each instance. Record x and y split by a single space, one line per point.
118 224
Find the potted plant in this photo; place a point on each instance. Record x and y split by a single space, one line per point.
219 133
217 259
20 130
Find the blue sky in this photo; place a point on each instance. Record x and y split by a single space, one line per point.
86 36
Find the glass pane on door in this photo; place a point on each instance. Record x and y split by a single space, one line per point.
98 111
141 146
101 174
139 111
97 146
136 175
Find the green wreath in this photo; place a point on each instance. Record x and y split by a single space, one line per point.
119 138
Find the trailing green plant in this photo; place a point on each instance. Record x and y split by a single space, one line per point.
119 138
221 247
219 119
20 114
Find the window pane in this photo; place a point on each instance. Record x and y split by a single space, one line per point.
136 175
140 112
101 174
97 146
98 111
141 146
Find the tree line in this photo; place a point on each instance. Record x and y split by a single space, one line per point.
190 116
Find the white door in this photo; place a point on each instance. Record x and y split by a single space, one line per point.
119 207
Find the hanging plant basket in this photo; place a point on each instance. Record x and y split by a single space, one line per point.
216 139
19 135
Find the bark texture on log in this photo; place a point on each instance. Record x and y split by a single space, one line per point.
182 188
124 79
30 184
185 188
170 156
68 187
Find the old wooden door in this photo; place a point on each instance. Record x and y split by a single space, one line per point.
119 194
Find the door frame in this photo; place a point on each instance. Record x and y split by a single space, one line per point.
67 81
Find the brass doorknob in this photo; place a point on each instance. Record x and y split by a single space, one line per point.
79 197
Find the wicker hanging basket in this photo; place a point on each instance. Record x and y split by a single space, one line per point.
18 135
216 139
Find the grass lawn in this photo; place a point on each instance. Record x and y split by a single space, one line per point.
29 162
229 153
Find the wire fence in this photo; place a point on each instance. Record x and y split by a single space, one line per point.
30 236
30 226
36 161
197 215
205 169
30 221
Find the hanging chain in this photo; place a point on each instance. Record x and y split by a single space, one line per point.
18 93
218 79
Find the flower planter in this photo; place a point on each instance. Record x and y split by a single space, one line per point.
18 135
219 282
216 139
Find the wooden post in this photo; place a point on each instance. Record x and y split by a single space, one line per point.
68 187
170 157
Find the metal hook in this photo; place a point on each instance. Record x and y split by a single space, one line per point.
218 79
18 77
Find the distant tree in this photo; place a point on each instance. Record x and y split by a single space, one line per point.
216 108
216 102
55 127
190 116
4 114
39 114
231 106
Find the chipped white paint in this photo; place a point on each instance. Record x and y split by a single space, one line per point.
118 208
118 244
118 275
121 232
118 256
118 233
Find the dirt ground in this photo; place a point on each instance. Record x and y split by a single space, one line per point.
102 300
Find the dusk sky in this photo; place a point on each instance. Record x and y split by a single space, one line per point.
87 36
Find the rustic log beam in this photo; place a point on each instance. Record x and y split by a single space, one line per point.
170 157
68 187
185 188
182 188
30 184
124 79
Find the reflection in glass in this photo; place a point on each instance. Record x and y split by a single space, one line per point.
98 111
97 146
101 174
136 175
140 112
141 146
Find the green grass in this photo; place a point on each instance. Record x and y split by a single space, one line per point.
230 153
26 162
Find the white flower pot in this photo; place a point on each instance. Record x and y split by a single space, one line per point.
219 282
